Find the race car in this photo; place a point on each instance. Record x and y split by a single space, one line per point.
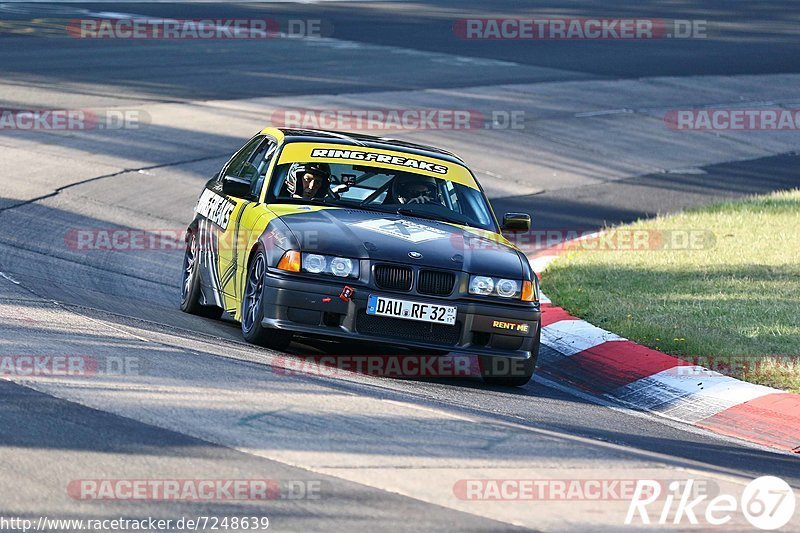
340 235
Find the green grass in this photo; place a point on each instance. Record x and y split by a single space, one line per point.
729 301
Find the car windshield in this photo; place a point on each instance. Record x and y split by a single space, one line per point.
383 190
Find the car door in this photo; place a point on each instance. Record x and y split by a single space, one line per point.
242 182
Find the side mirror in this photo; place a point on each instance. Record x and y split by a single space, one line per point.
236 186
516 222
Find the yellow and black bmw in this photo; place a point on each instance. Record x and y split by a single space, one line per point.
371 239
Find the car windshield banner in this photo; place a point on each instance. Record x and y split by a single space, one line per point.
302 152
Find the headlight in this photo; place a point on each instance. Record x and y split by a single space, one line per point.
340 267
488 286
314 263
507 288
483 285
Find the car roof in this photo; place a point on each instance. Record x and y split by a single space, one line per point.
359 139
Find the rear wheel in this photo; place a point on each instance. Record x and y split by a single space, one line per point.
253 309
190 286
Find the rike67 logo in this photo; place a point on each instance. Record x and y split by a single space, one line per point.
768 503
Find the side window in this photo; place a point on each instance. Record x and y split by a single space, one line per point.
259 165
238 165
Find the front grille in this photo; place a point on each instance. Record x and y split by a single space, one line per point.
435 282
395 328
395 278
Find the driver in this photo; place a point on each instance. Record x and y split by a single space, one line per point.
415 190
309 181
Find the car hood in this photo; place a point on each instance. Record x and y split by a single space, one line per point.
394 238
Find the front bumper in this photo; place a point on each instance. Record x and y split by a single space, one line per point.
315 307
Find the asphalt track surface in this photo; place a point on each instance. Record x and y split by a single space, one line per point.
206 406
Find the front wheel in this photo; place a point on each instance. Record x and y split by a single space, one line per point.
253 309
190 283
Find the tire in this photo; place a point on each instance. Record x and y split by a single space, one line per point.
253 308
190 283
507 372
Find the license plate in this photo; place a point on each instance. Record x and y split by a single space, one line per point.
438 314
